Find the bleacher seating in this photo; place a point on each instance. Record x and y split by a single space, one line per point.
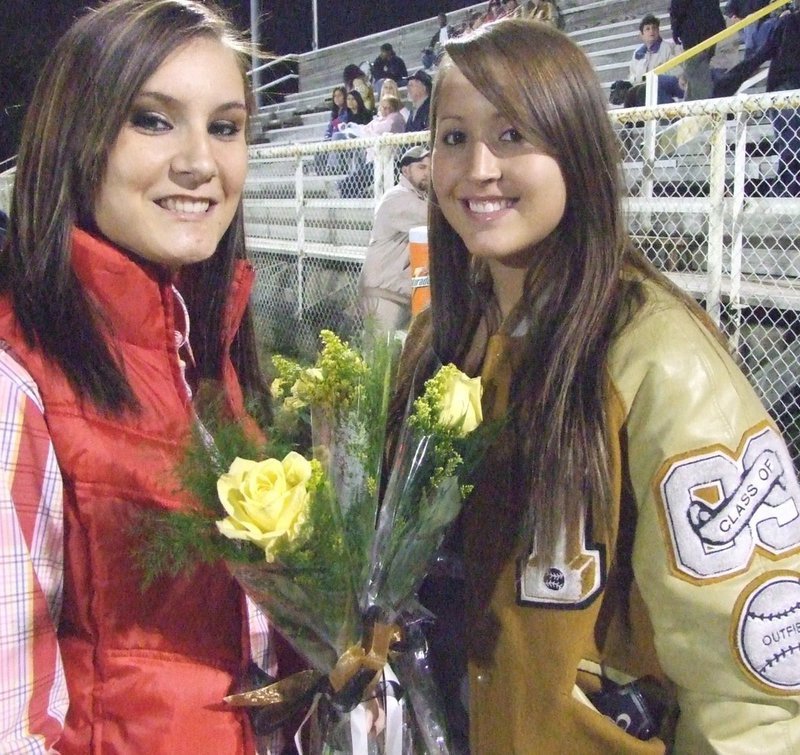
607 31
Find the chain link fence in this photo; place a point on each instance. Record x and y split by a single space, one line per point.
308 217
713 200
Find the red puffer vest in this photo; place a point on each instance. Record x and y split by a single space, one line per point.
146 671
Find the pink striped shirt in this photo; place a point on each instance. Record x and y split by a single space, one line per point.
33 692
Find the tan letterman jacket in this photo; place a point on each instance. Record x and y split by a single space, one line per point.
698 585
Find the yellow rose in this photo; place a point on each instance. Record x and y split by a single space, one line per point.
276 388
265 500
460 406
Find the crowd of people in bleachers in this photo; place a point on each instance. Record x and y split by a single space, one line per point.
371 102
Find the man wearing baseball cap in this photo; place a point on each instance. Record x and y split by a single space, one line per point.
385 282
419 92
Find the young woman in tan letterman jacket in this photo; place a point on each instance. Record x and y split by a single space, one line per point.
626 575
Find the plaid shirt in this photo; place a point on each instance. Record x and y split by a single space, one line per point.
33 692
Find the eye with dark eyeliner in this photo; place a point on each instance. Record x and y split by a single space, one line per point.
511 135
224 128
454 137
147 120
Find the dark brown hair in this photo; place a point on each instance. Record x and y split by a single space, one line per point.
574 296
82 98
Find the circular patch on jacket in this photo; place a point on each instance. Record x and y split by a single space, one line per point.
554 579
767 630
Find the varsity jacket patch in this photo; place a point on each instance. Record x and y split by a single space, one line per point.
719 507
572 579
765 631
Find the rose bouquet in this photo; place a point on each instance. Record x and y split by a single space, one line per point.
334 563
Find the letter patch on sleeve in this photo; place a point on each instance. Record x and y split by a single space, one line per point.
572 579
720 506
765 631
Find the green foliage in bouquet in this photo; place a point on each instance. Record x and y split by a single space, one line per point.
334 381
256 503
303 525
174 542
440 444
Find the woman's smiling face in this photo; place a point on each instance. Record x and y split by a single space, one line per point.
501 194
176 170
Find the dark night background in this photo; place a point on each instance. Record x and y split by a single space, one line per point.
29 28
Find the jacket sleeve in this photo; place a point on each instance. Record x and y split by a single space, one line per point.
401 211
717 544
33 694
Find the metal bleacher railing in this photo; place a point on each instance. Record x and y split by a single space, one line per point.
709 209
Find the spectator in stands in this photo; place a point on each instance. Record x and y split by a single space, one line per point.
357 117
474 21
541 10
433 52
324 162
385 281
390 89
357 110
389 65
782 49
389 119
419 91
355 78
360 177
493 11
754 34
692 22
339 111
618 525
510 8
653 51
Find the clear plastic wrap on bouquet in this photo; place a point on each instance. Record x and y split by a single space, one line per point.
334 564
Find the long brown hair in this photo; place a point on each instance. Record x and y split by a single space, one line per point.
81 100
575 295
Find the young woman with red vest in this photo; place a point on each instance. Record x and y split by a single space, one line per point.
126 226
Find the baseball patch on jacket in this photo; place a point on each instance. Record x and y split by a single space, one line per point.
765 631
720 506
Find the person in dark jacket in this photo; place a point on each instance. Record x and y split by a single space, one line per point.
756 33
692 22
357 109
782 49
388 65
419 92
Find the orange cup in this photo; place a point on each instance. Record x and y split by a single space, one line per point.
420 282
